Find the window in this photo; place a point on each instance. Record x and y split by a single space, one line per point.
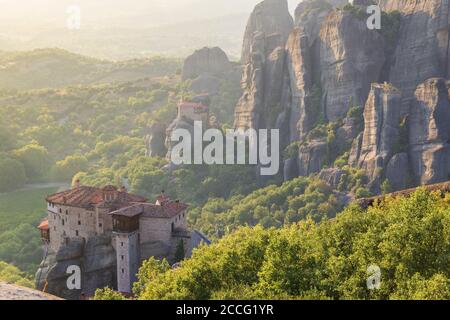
76 233
121 257
100 225
79 222
62 221
67 212
123 270
60 210
121 244
173 226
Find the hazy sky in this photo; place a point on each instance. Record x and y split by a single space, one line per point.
126 28
48 11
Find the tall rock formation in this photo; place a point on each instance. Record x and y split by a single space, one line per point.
422 48
351 58
429 132
381 130
210 61
332 62
96 258
269 17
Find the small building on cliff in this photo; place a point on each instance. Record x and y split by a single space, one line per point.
111 220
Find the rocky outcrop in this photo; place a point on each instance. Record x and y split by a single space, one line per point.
208 69
398 172
332 176
96 259
429 132
422 48
269 17
261 83
381 130
352 57
15 292
206 61
312 157
155 142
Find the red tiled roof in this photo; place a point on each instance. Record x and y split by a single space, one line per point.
167 211
86 197
43 225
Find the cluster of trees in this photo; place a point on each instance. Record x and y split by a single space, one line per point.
272 206
52 134
20 213
408 239
11 274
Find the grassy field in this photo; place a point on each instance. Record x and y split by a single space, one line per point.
20 213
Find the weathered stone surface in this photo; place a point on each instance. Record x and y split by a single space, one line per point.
299 65
332 176
12 292
261 84
290 169
210 61
346 133
422 49
269 17
72 249
154 141
352 57
205 83
381 129
97 262
312 157
355 150
429 132
397 171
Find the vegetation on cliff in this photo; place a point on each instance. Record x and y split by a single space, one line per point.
407 238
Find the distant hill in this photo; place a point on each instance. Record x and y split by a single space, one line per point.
56 68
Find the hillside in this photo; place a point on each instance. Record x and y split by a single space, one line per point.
56 68
407 238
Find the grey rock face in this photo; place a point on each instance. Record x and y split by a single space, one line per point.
96 259
352 57
429 132
154 141
397 171
312 157
269 17
299 65
261 84
332 176
381 129
290 169
422 48
211 61
346 133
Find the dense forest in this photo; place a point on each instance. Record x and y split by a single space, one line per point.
406 237
95 132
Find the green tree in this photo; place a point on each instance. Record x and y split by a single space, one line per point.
12 174
35 159
108 294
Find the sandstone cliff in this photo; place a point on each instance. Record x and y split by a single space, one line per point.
429 132
269 17
96 259
331 64
381 130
